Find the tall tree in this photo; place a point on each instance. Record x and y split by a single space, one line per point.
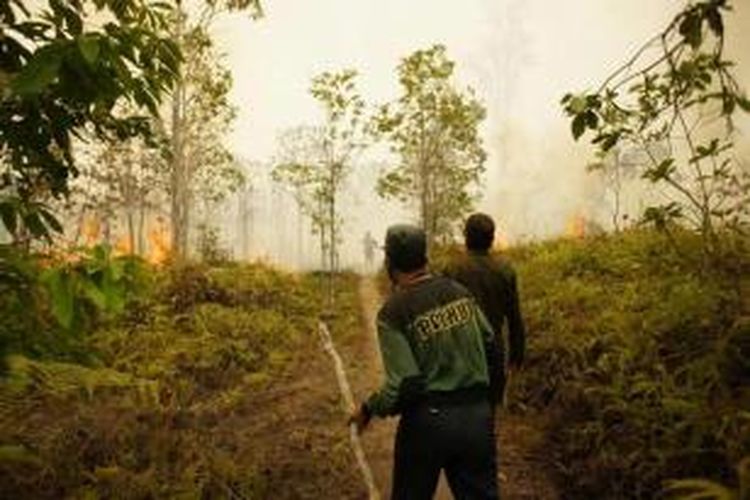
433 128
316 161
343 136
200 116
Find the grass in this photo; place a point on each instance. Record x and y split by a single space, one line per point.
638 356
148 413
636 353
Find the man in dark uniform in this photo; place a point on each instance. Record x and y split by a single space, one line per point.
492 281
432 337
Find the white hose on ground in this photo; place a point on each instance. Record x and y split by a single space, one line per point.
346 393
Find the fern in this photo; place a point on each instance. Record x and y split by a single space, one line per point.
699 489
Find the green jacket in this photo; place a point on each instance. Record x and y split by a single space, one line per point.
432 339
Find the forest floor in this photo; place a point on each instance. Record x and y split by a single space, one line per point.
300 435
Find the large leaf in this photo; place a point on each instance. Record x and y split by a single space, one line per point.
698 489
60 285
94 294
578 127
34 224
40 72
51 220
89 48
18 455
8 214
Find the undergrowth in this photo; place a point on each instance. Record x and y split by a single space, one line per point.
640 357
139 407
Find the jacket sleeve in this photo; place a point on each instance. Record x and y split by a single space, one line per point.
403 380
488 334
493 355
516 327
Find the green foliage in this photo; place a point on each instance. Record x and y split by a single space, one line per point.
63 78
49 305
32 218
165 412
663 103
433 128
208 116
637 357
76 70
97 282
300 165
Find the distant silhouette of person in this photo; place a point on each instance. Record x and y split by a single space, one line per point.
370 245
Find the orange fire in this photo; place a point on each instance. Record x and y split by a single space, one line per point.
123 246
576 227
502 242
91 229
159 248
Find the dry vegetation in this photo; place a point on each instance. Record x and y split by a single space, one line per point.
189 391
640 359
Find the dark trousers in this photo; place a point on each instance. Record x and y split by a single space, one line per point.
457 438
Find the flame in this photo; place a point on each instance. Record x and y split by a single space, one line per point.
91 229
576 226
123 246
502 242
159 247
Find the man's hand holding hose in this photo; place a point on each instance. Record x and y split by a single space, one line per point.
360 417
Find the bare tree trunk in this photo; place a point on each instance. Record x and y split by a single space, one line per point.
130 219
333 243
185 202
178 179
242 215
424 203
79 226
618 187
300 222
141 228
616 191
107 229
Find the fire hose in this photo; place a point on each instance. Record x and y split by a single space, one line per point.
348 398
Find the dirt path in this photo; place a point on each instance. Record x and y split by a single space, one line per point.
296 429
365 372
523 463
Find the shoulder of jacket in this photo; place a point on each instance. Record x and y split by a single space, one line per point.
454 285
389 310
503 265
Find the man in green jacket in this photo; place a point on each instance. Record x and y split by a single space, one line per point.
492 281
432 337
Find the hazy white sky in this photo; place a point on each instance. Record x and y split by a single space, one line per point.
520 55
